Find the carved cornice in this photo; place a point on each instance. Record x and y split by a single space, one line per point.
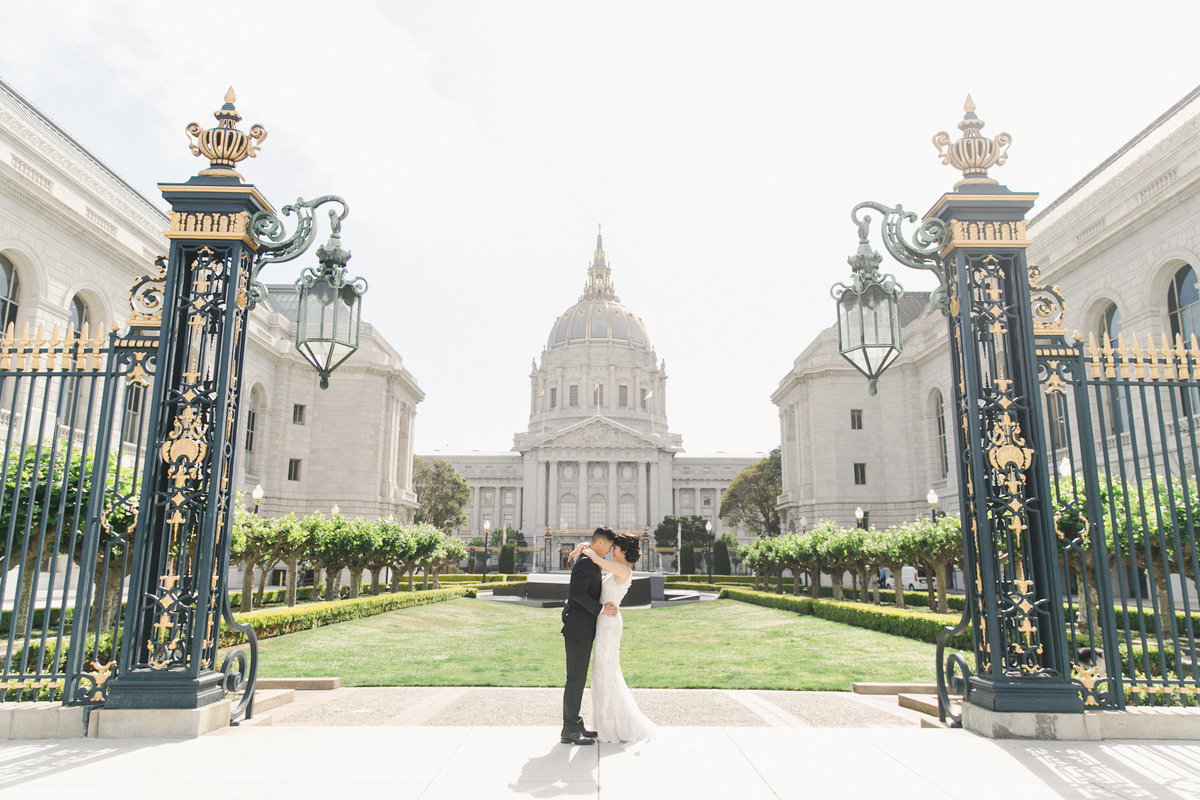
103 190
986 234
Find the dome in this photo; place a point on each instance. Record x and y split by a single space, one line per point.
599 315
595 319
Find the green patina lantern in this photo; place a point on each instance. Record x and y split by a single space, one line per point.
868 310
329 318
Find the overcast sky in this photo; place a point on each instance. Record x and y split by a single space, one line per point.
721 145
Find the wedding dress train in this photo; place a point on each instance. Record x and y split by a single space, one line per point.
614 711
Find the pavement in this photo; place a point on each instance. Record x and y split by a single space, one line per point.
438 743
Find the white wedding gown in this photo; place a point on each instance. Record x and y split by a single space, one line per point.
614 712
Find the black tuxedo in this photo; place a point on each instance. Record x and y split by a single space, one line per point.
579 631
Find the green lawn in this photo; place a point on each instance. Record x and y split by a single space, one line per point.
723 644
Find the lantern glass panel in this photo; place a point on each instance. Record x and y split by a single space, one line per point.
869 329
328 325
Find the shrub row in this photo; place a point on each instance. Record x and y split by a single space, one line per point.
271 622
923 626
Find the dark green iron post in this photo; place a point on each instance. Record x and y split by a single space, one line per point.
178 582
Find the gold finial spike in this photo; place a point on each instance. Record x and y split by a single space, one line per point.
231 98
968 106
225 145
974 154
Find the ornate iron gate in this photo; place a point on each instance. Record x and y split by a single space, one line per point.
72 442
1122 422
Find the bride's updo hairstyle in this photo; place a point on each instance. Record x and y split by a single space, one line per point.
629 546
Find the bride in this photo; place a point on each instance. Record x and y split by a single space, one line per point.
614 711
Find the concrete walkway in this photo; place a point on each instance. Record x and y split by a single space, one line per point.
482 743
722 763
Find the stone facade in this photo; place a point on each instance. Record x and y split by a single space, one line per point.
1117 244
76 237
598 450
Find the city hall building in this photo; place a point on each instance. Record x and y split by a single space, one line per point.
598 449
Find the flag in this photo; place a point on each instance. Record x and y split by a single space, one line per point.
542 393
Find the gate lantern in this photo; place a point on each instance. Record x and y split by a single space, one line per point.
329 319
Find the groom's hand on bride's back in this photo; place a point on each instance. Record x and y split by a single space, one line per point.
609 610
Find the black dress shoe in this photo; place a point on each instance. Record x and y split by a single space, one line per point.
576 737
591 734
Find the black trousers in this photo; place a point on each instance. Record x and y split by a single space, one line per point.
578 655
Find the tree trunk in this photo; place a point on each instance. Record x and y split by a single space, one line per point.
318 580
411 578
931 603
779 582
437 574
426 575
375 574
796 581
395 582
943 580
331 581
262 583
355 582
864 585
837 576
247 603
293 566
814 575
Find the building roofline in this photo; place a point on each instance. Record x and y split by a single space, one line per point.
95 161
1108 162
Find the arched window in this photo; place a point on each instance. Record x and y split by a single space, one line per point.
597 511
626 512
566 512
1118 396
10 293
941 451
1183 308
79 313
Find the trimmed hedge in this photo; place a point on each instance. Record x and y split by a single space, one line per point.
271 622
923 626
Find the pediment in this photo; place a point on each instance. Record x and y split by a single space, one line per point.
597 432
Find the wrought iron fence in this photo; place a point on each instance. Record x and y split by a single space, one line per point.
72 436
1122 422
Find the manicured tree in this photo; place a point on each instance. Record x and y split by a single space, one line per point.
451 551
893 548
834 546
939 544
361 543
250 541
752 557
687 560
508 559
721 565
333 549
400 547
813 544
427 541
311 531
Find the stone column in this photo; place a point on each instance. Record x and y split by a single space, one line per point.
655 495
643 511
581 507
614 518
552 494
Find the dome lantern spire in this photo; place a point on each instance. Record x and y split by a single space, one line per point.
599 280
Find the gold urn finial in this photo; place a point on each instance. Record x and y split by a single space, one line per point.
974 153
224 146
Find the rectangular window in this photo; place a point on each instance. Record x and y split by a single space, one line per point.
131 426
297 414
487 497
574 398
554 398
860 474
643 396
856 419
293 469
250 422
623 396
509 496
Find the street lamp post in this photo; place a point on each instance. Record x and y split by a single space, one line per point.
858 515
708 529
257 494
487 533
803 524
932 499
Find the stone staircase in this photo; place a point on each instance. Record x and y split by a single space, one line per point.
920 697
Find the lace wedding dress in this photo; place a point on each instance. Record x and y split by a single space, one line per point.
614 712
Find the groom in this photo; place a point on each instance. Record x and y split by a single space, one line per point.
579 630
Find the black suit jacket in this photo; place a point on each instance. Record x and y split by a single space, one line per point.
583 601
